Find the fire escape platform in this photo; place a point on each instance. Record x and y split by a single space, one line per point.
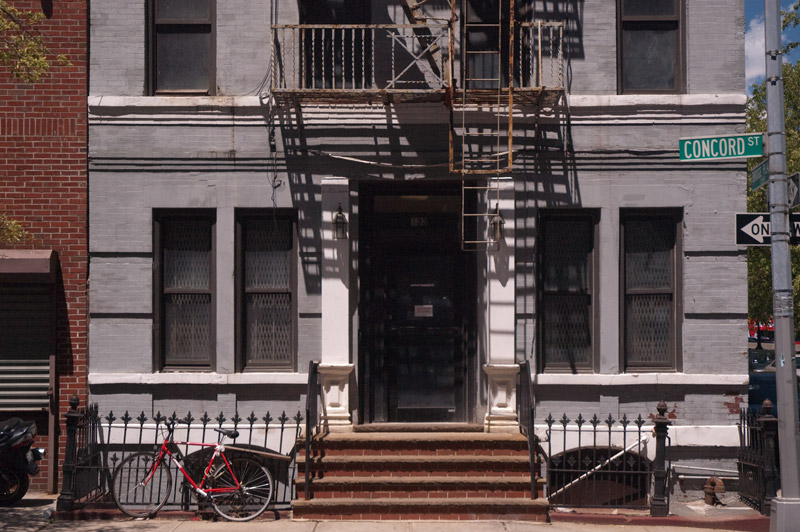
357 96
540 97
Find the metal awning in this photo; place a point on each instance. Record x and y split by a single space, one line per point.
28 266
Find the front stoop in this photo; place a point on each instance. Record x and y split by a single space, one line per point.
419 475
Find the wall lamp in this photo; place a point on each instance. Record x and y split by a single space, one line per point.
496 225
339 224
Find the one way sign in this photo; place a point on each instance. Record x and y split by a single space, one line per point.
753 229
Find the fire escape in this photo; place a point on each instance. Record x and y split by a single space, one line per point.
482 66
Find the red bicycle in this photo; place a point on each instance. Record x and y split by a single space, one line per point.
238 489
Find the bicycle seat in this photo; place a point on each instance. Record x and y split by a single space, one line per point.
232 434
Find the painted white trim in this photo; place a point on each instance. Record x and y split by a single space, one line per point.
197 378
196 103
654 100
201 103
640 379
687 109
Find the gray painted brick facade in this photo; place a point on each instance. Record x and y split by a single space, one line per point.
117 36
213 152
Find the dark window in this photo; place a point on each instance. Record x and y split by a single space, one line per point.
337 53
566 266
650 46
265 291
181 47
649 284
184 282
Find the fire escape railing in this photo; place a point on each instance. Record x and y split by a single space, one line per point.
539 55
360 57
399 58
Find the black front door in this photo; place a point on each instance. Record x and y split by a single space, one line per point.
415 327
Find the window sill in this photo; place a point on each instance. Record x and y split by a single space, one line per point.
199 102
640 379
174 377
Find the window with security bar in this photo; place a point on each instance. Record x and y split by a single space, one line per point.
650 46
266 281
567 288
184 286
650 289
181 47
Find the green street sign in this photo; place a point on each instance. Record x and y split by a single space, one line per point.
727 147
759 175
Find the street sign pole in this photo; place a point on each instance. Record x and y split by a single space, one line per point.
785 510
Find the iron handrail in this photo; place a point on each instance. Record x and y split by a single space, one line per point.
527 414
312 420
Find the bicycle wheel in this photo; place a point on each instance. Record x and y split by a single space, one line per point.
137 494
253 495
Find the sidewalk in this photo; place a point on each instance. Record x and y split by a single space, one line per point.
34 514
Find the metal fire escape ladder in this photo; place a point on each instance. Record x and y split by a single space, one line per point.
484 106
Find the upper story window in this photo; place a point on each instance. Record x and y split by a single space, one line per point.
181 47
650 46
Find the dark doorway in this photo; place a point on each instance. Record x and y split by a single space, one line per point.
417 340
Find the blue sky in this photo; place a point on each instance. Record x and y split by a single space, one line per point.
754 40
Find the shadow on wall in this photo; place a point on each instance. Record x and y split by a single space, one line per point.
570 12
47 8
546 176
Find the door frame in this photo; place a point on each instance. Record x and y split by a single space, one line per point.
366 195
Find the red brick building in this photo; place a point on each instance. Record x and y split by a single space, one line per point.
43 185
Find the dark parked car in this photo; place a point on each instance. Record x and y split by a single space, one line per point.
763 386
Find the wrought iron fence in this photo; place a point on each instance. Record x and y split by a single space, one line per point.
757 459
97 443
312 420
599 462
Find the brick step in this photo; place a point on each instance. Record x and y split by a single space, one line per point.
422 508
411 487
455 465
420 444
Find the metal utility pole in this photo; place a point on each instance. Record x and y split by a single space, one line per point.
785 510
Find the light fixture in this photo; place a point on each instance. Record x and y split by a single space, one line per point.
496 225
339 225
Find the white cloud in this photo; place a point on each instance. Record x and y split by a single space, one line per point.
754 51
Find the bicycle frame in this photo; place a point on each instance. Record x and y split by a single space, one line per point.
219 451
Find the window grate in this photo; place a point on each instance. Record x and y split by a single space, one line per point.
649 286
266 298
